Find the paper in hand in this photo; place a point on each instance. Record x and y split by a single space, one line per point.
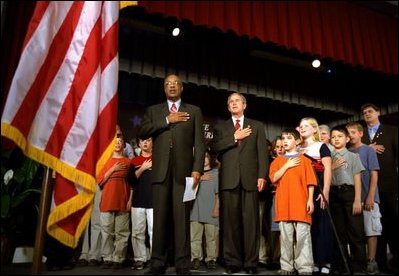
189 192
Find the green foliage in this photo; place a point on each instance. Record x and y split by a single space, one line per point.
17 188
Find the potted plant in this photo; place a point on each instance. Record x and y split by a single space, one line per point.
18 198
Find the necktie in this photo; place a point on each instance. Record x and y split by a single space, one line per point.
237 126
173 108
372 133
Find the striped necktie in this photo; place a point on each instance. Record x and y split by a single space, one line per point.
237 126
173 108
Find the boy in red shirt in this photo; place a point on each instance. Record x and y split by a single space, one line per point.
115 207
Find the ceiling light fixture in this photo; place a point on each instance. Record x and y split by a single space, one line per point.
316 63
176 31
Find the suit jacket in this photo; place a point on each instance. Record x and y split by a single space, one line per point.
388 136
246 162
183 142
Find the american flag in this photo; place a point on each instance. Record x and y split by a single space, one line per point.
61 109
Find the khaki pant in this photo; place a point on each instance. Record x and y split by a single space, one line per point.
211 238
115 232
296 247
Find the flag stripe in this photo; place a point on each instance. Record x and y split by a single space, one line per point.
110 17
108 47
91 104
109 89
36 93
32 58
107 118
110 34
63 192
109 99
82 78
83 124
50 108
35 21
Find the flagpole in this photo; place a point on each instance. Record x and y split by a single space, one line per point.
45 199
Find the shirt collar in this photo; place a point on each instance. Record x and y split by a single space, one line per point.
177 104
241 120
340 153
374 128
290 155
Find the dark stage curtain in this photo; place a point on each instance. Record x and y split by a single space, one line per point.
341 31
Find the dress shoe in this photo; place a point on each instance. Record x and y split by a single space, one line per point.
232 269
251 270
155 270
93 262
273 266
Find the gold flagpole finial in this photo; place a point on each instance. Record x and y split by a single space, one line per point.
124 4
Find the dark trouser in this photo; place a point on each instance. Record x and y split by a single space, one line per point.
350 228
171 223
240 215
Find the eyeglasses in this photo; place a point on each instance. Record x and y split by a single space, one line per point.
169 83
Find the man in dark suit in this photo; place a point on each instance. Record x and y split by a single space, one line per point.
178 152
240 144
384 140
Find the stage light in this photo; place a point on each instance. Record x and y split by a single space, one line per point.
316 63
176 31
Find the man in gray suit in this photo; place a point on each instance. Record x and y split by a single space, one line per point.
240 144
178 152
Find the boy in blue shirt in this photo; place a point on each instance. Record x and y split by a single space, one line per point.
370 195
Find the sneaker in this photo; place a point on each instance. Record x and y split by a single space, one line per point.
372 268
195 264
211 264
325 269
138 265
